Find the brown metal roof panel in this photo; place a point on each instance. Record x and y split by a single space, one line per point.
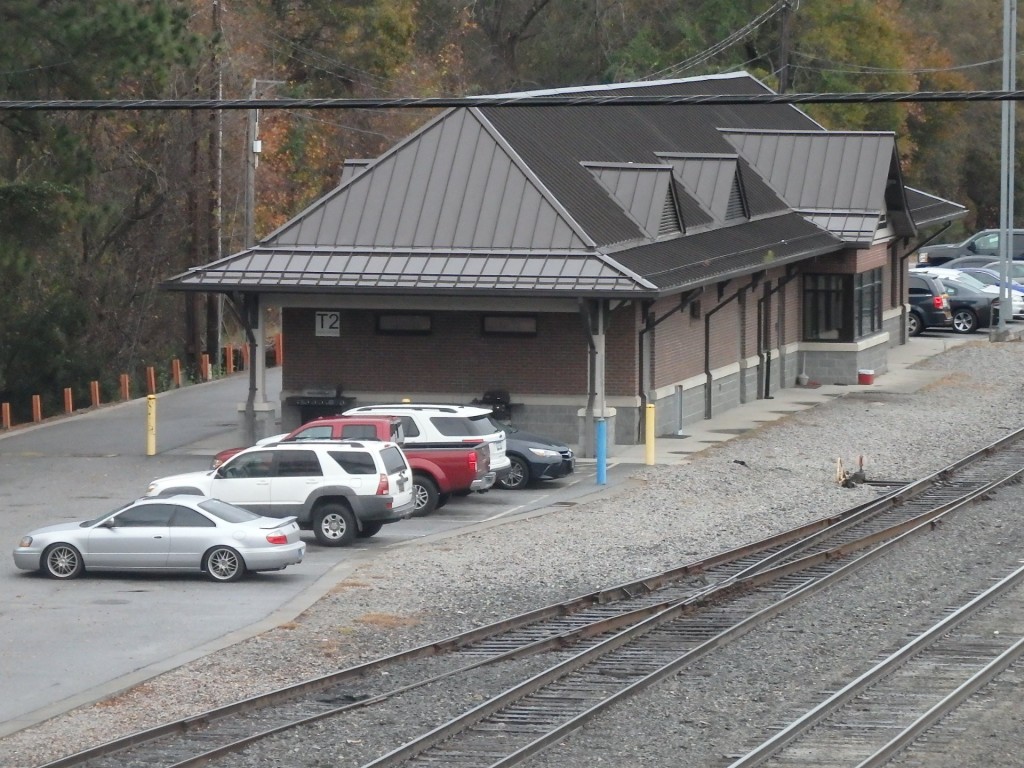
709 256
927 210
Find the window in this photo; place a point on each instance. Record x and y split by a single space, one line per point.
257 464
145 516
404 324
359 432
321 432
867 301
355 462
189 518
826 313
298 464
509 325
842 307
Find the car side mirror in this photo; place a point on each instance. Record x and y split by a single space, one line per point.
110 522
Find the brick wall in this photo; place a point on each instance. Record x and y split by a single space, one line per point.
455 357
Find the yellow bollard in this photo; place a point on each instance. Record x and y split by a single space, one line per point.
649 429
151 425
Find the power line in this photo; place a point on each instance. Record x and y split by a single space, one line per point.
592 98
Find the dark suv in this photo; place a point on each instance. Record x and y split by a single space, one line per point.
929 305
983 243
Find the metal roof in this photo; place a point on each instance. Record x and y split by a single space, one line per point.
296 269
587 200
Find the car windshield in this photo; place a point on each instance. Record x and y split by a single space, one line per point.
105 515
229 513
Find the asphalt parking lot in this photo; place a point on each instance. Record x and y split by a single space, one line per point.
63 644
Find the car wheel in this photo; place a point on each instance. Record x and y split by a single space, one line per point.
965 321
443 499
518 476
370 529
334 525
224 564
425 496
914 324
62 561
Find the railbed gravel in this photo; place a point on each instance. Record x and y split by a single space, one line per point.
664 516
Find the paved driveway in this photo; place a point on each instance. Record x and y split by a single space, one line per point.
63 644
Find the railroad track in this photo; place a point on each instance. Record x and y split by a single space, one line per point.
887 709
633 634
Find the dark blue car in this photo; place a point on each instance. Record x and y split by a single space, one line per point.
533 458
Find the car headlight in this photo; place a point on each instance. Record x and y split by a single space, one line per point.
544 453
26 541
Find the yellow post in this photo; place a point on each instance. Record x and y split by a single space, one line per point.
649 430
151 425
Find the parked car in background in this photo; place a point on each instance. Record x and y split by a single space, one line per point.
990 277
429 424
180 533
339 490
971 282
984 243
388 429
438 471
1016 269
533 458
929 305
972 308
971 261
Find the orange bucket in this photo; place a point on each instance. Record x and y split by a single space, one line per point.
865 376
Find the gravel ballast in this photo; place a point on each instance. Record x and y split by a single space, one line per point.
663 517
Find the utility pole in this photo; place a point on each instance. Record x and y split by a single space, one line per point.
253 148
1007 246
215 302
784 44
252 312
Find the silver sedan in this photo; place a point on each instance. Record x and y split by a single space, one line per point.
179 533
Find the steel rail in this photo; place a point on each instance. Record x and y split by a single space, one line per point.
772 749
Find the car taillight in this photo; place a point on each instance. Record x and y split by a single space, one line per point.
382 485
277 538
939 301
472 462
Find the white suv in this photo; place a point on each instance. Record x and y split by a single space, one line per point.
425 424
340 490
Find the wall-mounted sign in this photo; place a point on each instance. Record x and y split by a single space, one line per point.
328 323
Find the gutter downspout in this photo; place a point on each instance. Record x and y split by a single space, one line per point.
587 320
764 339
646 349
707 342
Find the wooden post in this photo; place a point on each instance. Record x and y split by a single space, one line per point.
229 352
125 387
37 409
204 366
94 391
5 415
151 380
279 349
176 373
69 405
245 356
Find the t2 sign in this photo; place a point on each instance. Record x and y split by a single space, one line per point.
328 324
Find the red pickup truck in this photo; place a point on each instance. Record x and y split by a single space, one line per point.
438 472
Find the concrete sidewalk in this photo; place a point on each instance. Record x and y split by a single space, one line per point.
901 378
